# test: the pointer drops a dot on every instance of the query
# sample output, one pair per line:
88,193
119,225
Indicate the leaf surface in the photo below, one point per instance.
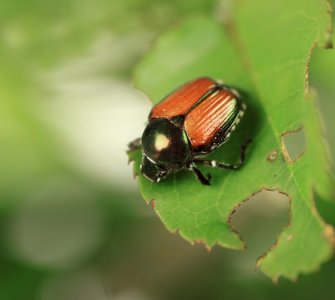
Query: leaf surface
265,54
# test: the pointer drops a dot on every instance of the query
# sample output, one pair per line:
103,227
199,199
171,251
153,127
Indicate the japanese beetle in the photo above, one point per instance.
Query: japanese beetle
191,122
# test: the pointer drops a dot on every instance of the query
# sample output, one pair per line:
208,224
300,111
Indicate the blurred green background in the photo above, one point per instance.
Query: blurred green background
73,224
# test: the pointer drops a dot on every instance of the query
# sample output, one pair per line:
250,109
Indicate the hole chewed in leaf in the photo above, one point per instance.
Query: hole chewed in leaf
259,220
293,144
329,233
272,155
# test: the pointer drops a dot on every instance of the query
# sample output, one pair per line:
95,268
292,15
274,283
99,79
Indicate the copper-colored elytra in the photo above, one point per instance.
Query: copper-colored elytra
205,120
181,100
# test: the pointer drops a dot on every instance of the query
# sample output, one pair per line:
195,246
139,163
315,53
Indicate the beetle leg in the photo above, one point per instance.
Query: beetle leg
223,165
134,145
199,175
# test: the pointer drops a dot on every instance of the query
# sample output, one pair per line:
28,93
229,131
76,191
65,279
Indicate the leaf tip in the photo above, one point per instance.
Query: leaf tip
203,243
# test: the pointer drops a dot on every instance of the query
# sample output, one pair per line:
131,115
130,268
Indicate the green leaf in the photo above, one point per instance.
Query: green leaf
322,78
265,53
322,69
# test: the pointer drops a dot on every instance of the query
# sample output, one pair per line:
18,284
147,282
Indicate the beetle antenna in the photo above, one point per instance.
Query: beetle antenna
134,145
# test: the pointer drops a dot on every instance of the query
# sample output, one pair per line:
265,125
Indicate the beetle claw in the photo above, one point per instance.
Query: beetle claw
209,178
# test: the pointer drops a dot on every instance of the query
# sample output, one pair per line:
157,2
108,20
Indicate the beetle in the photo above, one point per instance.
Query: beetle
188,124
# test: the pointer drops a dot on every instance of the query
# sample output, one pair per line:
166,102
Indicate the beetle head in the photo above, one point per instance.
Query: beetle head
151,170
165,149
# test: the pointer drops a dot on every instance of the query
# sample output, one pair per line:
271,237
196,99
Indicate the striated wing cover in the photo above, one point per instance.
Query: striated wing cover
181,101
214,115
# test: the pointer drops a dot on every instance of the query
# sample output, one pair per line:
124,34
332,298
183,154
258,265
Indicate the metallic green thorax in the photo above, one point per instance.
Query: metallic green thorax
165,148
